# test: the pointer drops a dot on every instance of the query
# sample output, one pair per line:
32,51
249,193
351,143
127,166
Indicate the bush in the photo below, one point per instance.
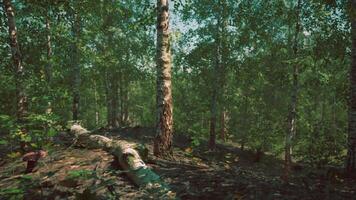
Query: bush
37,130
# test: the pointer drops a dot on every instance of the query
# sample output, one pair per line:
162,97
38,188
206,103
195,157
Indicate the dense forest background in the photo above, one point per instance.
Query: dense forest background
233,64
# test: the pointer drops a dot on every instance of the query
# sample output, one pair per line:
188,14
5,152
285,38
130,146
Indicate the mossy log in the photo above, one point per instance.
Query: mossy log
126,154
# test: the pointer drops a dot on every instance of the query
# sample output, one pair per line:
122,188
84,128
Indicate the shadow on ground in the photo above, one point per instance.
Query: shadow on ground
195,173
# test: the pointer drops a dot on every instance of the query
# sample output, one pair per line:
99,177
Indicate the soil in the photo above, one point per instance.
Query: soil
193,173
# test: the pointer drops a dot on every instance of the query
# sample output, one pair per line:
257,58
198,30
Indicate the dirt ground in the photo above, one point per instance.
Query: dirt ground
226,173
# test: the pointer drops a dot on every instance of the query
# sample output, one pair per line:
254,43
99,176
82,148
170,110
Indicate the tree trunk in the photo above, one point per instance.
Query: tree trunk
125,153
108,99
124,100
214,97
121,93
21,96
114,101
213,113
223,126
96,104
126,105
76,66
164,127
223,67
292,126
351,153
48,68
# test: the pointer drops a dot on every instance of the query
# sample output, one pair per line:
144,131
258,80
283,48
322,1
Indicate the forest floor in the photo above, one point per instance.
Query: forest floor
226,173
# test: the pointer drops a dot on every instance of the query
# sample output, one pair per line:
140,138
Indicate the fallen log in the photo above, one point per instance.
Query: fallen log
126,155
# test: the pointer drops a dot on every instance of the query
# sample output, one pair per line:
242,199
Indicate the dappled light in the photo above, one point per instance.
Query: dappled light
184,99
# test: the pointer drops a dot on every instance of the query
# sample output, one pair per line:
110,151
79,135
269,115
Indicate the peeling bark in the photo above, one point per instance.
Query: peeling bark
164,127
125,153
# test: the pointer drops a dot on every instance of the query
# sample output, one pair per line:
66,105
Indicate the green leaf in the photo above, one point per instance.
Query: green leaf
51,132
26,177
3,142
11,191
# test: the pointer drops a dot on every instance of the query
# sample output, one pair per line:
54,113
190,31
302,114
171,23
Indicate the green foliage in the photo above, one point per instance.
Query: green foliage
254,78
3,142
86,174
7,123
19,192
12,193
36,131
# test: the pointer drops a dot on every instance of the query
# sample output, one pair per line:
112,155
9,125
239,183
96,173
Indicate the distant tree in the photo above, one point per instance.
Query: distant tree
76,28
351,154
292,118
21,96
48,68
218,91
164,127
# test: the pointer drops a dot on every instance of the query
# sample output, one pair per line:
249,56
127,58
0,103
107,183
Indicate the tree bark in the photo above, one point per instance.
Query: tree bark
21,96
108,99
124,100
164,127
121,97
213,113
125,116
114,101
292,125
223,126
96,104
48,68
223,67
351,153
76,66
125,153
215,91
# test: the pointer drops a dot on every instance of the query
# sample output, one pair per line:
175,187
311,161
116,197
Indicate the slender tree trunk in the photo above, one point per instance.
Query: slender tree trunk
223,67
215,95
76,67
121,105
164,128
351,153
112,78
125,95
223,126
48,68
108,99
213,113
96,106
124,100
121,94
292,126
21,96
125,116
114,101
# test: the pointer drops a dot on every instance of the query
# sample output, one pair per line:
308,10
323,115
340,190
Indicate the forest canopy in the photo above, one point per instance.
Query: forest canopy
270,76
